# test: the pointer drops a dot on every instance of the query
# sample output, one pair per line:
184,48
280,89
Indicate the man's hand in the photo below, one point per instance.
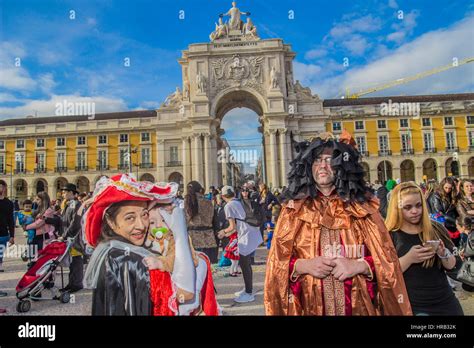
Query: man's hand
347,268
319,267
12,241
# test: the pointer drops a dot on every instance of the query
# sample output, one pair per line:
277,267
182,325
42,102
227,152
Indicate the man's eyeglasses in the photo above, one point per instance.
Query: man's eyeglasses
245,190
326,160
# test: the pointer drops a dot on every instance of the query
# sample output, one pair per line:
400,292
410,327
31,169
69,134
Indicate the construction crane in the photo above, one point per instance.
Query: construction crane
403,80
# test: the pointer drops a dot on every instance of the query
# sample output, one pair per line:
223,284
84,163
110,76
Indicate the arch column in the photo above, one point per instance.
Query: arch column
197,157
273,158
213,157
283,155
186,160
207,165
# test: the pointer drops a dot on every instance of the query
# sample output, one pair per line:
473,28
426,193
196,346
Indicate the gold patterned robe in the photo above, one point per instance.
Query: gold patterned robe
298,234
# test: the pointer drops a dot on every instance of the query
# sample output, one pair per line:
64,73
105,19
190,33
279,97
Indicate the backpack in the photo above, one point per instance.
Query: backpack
253,213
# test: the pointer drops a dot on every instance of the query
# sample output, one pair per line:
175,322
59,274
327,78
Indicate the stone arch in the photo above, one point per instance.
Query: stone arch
83,184
147,177
452,167
20,189
384,171
176,177
40,185
231,98
470,167
366,167
430,169
59,183
407,171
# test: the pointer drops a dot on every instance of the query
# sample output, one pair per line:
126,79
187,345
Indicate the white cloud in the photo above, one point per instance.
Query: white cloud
48,107
47,83
421,54
356,44
305,72
392,4
404,27
13,76
315,53
366,24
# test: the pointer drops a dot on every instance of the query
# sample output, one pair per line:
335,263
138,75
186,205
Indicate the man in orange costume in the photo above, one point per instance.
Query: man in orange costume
331,253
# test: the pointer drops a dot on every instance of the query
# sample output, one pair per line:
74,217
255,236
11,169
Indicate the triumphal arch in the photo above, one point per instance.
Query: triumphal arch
236,68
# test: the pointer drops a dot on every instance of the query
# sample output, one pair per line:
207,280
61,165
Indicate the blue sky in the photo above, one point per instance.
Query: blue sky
82,58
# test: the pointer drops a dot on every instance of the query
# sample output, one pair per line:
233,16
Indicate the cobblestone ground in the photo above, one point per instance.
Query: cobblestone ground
226,286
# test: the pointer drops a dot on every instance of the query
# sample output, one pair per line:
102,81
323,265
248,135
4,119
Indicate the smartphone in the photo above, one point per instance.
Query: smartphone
433,244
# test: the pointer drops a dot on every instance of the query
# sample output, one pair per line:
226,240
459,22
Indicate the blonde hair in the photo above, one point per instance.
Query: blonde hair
432,187
394,218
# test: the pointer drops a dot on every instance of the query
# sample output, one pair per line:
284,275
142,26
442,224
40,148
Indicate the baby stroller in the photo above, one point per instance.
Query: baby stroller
42,274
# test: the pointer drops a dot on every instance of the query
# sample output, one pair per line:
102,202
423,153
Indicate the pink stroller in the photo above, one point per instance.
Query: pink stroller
42,276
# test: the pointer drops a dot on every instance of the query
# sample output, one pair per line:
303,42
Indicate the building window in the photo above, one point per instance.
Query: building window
102,139
470,119
61,160
60,141
359,125
404,123
146,156
470,135
102,158
39,142
361,144
40,161
381,124
81,140
2,144
427,141
426,121
450,140
124,159
20,162
173,154
383,142
20,144
123,138
336,126
81,159
2,164
448,121
145,137
406,143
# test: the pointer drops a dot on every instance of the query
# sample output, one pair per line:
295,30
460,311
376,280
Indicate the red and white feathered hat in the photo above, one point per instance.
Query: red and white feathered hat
122,187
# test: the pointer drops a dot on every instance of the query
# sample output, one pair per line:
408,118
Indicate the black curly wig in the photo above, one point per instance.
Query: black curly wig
345,162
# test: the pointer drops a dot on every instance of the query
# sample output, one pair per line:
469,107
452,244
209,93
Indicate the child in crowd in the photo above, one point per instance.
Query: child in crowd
232,253
269,227
25,217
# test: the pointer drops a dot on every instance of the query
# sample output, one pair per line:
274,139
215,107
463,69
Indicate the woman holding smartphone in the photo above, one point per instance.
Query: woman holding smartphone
424,250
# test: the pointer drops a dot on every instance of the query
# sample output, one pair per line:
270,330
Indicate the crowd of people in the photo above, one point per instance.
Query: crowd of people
338,245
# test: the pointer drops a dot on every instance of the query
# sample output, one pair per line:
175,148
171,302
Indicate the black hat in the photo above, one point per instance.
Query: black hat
70,187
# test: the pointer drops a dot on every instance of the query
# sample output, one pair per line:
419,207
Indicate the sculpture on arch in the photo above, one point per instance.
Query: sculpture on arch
235,23
234,27
201,82
173,99
273,78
